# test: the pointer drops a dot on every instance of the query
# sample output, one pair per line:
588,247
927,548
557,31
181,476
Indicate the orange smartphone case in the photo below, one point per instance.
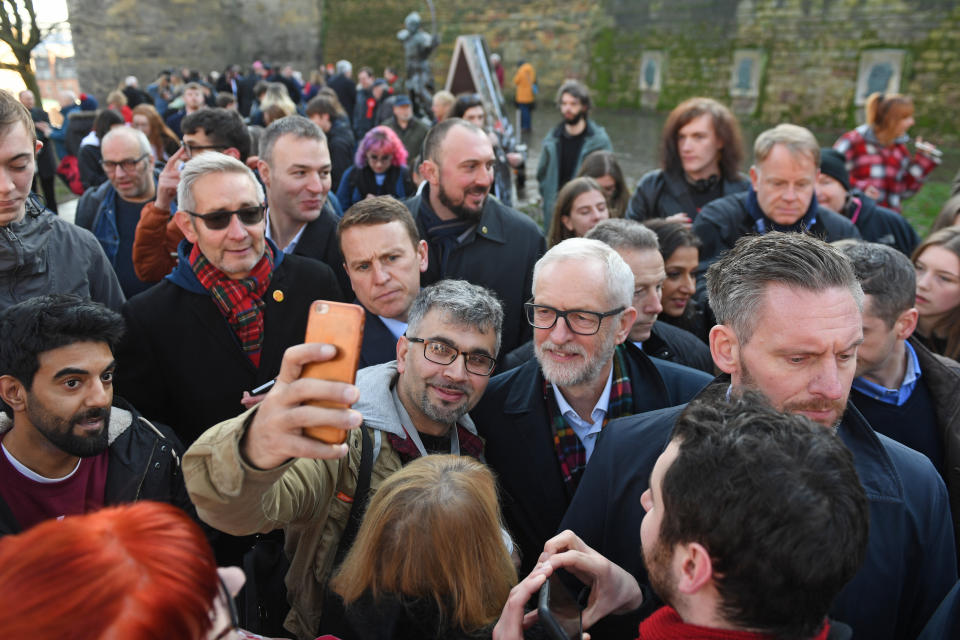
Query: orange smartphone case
341,325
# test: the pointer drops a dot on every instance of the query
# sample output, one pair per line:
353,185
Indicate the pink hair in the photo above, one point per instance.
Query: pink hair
381,140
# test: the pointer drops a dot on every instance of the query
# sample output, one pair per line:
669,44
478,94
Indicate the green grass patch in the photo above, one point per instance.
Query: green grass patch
922,209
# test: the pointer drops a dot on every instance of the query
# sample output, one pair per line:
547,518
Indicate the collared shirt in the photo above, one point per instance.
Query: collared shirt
395,327
896,397
586,431
638,345
293,243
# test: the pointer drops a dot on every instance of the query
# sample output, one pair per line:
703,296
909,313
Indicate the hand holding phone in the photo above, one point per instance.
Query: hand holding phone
276,432
559,610
341,325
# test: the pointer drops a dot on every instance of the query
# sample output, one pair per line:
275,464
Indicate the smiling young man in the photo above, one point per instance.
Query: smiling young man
788,308
69,446
259,472
41,253
470,235
780,198
384,257
541,420
295,167
218,325
700,154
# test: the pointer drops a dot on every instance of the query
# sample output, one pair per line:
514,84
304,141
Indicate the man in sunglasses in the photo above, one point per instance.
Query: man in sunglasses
217,326
112,210
157,235
259,472
541,420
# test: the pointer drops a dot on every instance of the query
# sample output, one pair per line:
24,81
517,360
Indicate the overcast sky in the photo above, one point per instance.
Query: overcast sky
50,10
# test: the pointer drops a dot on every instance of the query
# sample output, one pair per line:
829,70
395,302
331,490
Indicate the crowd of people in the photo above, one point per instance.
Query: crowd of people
724,403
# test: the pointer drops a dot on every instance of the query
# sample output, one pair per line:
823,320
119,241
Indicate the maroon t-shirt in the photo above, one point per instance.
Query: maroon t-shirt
32,502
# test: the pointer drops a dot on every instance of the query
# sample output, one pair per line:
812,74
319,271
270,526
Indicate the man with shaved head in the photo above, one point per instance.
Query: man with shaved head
470,235
112,210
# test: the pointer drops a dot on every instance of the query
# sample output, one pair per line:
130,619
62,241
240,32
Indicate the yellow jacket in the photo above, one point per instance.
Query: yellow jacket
524,79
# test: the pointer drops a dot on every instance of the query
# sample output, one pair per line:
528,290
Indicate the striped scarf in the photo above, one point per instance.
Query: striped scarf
240,301
470,445
569,449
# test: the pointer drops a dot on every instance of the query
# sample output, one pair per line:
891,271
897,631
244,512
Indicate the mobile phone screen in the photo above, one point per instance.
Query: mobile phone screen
559,609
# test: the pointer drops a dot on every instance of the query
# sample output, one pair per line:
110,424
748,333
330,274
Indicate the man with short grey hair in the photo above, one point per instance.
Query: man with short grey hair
789,312
295,167
542,419
780,198
217,326
112,210
259,472
639,248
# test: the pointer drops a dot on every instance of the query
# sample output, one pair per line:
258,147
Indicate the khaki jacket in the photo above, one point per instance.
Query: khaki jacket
309,499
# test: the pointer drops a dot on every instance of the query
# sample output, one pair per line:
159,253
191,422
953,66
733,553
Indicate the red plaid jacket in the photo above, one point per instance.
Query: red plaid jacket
890,169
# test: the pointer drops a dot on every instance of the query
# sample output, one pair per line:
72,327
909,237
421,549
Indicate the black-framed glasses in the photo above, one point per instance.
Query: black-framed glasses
129,165
231,610
219,220
579,321
191,148
442,353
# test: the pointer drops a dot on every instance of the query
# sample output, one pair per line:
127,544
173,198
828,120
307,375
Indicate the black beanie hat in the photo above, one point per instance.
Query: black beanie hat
834,164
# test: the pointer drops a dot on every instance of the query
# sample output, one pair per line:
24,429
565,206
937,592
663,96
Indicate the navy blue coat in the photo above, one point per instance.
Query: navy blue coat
378,345
512,417
910,563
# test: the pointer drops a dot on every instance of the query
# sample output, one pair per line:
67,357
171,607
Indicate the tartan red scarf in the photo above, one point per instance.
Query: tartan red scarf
240,301
665,624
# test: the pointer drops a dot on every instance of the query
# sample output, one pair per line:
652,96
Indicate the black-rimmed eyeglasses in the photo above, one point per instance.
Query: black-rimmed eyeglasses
442,353
219,220
129,165
579,321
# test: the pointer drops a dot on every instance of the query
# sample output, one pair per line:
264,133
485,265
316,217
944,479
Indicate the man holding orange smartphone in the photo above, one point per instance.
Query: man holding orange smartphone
259,471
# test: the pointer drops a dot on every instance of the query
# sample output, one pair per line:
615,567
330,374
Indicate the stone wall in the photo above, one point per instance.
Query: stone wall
116,38
811,48
812,51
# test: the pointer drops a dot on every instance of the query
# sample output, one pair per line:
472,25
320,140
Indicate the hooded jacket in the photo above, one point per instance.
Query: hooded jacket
309,499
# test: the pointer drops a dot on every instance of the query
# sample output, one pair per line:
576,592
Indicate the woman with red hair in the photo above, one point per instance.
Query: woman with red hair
136,572
877,157
380,169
